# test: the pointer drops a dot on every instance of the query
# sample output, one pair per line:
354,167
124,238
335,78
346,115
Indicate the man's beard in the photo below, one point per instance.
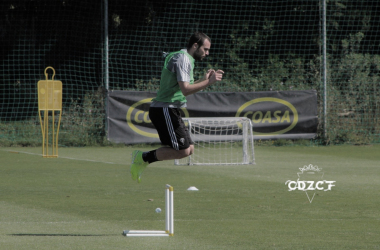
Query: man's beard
197,56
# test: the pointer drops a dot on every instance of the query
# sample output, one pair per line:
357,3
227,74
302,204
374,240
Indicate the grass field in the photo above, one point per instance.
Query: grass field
85,199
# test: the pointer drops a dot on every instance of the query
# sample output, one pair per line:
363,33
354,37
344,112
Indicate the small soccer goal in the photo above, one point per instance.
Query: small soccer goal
220,141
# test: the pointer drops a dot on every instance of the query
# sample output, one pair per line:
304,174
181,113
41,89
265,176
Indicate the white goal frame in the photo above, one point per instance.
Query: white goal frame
220,141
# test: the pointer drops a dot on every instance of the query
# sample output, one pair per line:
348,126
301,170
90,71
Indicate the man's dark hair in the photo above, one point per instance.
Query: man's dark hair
198,38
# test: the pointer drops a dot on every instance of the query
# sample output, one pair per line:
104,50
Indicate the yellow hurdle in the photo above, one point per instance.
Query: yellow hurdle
49,102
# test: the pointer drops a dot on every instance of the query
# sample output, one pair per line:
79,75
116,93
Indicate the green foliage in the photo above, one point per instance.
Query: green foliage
261,46
20,133
82,124
150,85
244,72
83,121
354,95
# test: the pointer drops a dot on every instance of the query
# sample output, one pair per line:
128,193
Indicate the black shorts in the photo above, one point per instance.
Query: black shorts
170,127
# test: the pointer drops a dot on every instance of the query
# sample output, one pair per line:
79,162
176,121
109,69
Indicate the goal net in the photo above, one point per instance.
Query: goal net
220,141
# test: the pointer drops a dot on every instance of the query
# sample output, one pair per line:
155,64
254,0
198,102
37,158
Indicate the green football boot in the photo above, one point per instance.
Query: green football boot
138,165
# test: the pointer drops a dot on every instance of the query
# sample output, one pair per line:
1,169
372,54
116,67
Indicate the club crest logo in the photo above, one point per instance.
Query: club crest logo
309,180
182,140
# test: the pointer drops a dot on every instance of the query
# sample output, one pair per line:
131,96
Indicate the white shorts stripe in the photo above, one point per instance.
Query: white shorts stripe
169,125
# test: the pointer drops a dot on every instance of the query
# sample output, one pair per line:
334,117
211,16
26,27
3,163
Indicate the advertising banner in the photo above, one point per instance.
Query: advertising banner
274,114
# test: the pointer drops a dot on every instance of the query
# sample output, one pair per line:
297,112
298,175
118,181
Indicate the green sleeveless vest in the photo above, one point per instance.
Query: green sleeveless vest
169,89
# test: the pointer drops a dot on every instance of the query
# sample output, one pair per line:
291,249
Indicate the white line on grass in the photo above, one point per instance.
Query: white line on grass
70,158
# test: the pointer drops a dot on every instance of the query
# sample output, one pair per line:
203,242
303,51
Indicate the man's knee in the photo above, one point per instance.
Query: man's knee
191,149
186,152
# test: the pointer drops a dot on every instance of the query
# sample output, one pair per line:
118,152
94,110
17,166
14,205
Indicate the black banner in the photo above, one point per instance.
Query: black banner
274,114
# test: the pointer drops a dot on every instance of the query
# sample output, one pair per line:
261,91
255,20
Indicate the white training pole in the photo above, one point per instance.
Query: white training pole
147,235
169,219
143,232
167,209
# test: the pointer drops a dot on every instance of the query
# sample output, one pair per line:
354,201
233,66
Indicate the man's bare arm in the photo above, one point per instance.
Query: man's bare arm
209,78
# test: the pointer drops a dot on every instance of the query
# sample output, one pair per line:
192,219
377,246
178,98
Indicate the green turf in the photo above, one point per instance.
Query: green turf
85,199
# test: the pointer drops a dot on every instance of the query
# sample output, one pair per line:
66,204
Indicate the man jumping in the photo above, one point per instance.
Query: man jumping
176,83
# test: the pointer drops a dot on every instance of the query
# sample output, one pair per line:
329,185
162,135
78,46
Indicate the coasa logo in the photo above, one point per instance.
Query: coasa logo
137,116
270,110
